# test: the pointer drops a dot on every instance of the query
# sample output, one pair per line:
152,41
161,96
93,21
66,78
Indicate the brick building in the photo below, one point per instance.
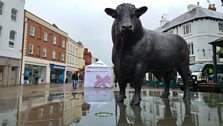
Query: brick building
44,51
87,57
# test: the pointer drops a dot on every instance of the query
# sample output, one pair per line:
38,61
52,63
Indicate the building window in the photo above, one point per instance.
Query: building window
54,40
30,48
53,55
12,39
68,59
220,26
32,31
63,44
187,29
44,52
4,122
191,48
40,113
13,14
62,57
51,109
1,7
45,36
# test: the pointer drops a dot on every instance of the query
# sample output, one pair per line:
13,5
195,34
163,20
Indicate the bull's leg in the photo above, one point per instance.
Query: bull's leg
184,72
137,83
167,78
121,96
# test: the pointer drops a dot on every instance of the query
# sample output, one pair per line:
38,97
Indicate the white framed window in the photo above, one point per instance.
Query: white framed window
31,48
53,55
44,52
40,113
51,109
68,59
54,40
62,57
191,48
32,31
63,44
187,29
220,26
13,14
45,36
1,7
12,36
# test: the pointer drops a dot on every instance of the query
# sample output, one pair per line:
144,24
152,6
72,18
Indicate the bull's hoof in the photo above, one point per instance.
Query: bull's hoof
120,98
135,100
165,95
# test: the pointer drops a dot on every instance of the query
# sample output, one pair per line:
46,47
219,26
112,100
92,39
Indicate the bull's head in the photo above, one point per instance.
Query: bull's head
126,17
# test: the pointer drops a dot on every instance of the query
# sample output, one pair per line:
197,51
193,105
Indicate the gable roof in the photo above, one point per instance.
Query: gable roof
196,13
99,63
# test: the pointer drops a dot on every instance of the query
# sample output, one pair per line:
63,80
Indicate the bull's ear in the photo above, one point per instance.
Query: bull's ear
141,11
111,12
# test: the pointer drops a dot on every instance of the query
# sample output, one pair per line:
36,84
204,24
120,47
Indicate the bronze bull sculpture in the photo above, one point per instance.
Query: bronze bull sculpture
137,50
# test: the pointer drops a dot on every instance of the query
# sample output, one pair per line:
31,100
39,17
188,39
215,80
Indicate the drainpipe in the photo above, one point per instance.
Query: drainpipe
23,43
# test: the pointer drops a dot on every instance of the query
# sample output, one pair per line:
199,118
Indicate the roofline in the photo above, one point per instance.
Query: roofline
59,31
191,21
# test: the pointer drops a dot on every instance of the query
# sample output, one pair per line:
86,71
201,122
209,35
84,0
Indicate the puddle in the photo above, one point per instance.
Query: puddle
95,106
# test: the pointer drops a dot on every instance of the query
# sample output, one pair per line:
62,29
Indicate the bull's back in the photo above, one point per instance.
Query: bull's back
169,50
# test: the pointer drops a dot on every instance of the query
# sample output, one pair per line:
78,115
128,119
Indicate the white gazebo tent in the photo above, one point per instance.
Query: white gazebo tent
98,75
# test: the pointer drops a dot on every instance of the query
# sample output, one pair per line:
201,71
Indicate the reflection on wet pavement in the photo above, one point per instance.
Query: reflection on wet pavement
60,105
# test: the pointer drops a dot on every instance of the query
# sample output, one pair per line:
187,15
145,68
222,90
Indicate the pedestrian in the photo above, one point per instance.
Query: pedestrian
36,79
75,79
26,80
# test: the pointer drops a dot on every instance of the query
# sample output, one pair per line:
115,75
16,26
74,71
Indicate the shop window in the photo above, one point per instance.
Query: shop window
45,36
220,26
32,31
12,39
1,7
54,40
13,14
31,48
62,57
187,29
44,52
53,55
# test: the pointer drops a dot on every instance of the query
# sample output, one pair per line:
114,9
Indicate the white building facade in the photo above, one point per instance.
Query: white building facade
11,35
75,61
199,26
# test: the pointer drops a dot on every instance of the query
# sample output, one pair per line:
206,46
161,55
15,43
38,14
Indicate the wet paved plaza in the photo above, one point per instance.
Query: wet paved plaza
60,105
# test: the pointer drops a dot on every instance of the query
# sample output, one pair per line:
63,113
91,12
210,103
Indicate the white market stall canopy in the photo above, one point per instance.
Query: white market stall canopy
98,75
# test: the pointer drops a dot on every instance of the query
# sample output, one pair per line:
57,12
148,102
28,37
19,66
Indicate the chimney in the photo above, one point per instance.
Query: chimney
163,20
192,6
212,7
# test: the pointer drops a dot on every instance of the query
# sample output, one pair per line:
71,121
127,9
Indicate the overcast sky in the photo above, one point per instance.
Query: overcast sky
86,21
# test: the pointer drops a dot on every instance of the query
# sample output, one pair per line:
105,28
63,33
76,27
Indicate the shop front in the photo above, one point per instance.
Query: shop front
57,73
35,74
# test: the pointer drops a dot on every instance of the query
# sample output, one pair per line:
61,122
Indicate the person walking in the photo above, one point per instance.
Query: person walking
75,79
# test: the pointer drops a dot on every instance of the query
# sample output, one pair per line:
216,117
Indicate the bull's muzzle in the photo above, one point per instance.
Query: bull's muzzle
127,27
